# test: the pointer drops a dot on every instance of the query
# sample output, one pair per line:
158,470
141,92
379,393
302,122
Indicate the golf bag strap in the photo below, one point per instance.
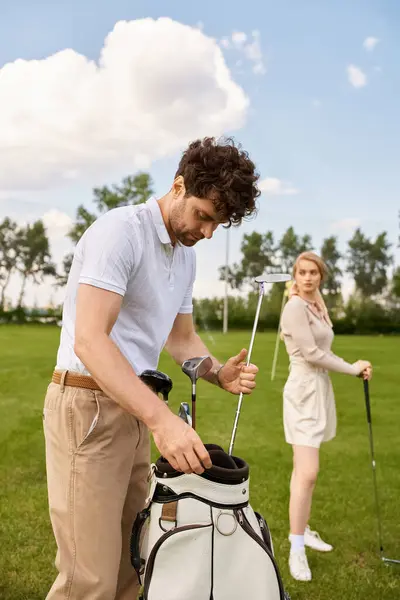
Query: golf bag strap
136,559
169,511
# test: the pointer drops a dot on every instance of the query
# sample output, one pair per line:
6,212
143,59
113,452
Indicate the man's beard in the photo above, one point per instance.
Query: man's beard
185,238
182,235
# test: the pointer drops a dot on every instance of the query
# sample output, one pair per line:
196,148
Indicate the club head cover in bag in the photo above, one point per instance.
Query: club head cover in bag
225,468
157,381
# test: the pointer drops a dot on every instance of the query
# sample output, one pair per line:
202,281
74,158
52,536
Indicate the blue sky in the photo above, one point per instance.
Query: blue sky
334,142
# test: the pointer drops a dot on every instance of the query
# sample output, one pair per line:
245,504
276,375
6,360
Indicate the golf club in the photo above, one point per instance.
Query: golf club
194,368
158,381
371,444
184,413
261,280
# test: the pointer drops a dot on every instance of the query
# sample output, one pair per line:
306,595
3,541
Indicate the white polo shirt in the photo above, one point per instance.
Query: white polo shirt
128,251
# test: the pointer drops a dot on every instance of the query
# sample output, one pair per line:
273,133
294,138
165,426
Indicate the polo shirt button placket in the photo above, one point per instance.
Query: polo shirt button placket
171,278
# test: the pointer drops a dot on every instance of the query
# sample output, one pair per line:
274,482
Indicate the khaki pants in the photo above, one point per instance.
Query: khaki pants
97,460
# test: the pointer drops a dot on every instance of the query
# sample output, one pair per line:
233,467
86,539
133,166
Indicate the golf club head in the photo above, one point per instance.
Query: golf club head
197,367
273,278
158,381
184,413
392,561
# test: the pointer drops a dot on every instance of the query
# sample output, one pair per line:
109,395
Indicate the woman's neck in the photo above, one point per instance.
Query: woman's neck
310,296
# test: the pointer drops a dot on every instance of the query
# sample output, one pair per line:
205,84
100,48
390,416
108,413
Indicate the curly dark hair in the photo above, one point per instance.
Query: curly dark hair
222,172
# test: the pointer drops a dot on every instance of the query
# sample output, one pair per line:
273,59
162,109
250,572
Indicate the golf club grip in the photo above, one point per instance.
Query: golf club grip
194,411
367,400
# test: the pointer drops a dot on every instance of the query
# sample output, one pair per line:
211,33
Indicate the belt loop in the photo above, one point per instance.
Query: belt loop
62,384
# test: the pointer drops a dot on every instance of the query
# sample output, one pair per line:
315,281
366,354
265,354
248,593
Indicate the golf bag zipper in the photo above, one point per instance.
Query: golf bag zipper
156,547
265,532
245,525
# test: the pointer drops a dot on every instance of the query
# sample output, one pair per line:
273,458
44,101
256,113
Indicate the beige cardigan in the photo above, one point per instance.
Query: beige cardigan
310,337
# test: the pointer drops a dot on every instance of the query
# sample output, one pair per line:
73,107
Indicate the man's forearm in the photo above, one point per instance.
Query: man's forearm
117,379
194,346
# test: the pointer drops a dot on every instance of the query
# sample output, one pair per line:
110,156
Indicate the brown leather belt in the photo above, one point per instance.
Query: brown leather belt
80,381
76,380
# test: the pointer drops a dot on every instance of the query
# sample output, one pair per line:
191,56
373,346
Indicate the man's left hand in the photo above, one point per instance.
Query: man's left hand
235,377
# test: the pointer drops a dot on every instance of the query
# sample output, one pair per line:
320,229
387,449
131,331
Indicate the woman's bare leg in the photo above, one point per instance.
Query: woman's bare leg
302,484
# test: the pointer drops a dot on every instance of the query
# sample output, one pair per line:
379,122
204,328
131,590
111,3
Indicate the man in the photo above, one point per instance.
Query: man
129,294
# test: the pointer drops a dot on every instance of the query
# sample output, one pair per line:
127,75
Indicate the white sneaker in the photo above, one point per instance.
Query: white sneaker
313,540
298,565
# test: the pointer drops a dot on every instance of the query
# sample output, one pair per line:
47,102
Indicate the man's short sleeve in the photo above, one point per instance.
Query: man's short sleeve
110,251
187,304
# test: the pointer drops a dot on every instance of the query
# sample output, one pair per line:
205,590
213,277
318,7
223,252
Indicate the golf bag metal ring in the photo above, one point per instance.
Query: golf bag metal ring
220,529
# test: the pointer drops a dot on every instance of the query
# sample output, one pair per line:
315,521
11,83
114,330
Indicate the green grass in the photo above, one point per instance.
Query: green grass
343,509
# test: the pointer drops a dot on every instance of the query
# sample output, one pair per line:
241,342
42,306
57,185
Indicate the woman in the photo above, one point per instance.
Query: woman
309,403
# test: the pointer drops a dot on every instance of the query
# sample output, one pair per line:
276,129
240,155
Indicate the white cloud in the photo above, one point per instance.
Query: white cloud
250,47
258,68
345,225
238,38
157,85
356,76
370,43
57,224
276,187
8,195
254,53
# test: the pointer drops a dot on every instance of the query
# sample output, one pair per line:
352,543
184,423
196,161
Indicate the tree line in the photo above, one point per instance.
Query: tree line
369,261
25,250
373,306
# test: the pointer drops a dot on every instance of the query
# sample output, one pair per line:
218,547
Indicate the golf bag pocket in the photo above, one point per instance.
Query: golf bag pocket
243,559
199,538
179,565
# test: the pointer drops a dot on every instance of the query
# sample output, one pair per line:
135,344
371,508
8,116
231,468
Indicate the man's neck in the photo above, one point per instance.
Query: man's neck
165,207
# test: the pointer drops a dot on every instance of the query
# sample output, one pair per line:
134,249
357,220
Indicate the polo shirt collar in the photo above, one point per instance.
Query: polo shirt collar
158,220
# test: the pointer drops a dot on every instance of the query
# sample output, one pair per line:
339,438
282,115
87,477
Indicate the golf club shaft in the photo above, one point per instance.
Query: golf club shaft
253,335
393,561
371,444
194,406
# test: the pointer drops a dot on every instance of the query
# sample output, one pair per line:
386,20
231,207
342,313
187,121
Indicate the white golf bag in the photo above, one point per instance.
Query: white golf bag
198,538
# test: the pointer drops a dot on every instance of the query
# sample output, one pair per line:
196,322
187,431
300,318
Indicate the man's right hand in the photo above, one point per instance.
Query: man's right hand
180,445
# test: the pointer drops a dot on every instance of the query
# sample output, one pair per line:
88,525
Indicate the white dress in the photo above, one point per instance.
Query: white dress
309,411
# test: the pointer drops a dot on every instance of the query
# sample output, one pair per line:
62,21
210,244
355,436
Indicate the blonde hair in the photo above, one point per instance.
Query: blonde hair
311,256
323,270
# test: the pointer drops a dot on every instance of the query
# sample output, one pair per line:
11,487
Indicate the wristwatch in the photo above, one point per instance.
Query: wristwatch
216,374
